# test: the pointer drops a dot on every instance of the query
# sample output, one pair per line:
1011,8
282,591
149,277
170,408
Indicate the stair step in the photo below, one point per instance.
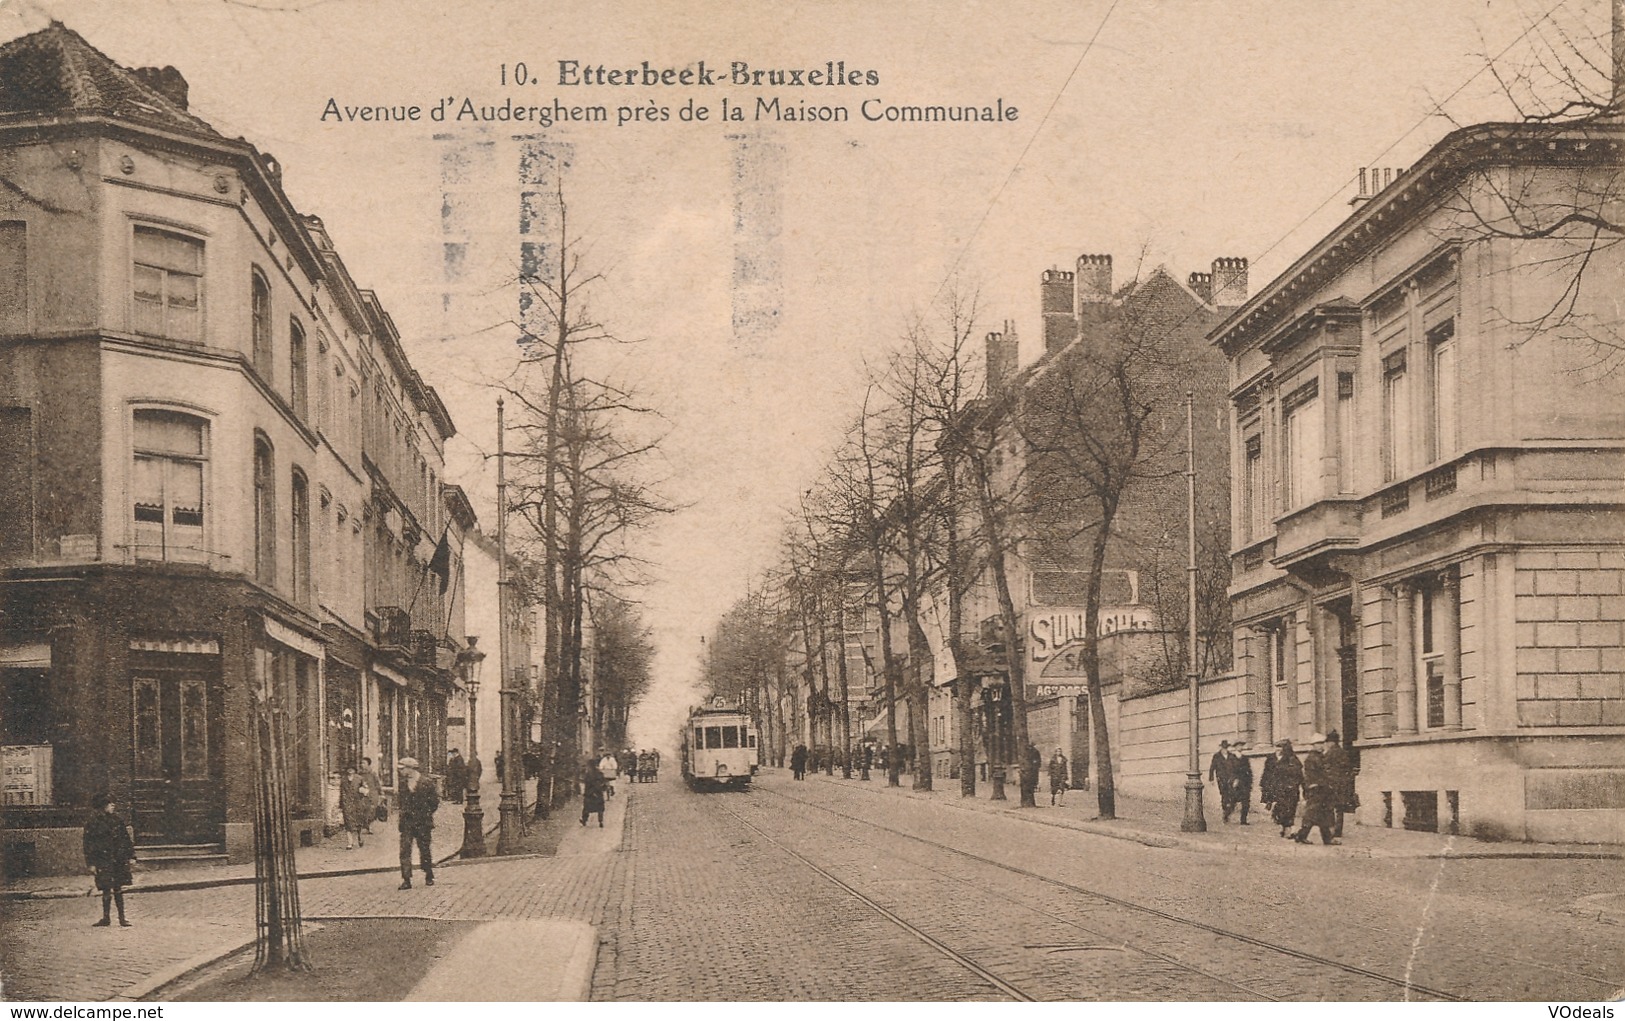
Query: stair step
174,860
163,852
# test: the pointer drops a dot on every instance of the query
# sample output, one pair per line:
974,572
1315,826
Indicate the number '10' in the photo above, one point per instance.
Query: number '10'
521,74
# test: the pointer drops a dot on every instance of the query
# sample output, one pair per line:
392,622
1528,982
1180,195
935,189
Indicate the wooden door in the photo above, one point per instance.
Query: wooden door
177,791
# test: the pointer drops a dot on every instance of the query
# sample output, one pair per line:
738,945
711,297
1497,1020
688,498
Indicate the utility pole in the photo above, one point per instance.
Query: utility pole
1194,821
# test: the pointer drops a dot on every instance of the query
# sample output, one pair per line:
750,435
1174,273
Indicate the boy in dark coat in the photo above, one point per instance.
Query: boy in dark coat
109,850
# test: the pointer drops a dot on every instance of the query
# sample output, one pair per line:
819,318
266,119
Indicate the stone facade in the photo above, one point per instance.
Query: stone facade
1427,498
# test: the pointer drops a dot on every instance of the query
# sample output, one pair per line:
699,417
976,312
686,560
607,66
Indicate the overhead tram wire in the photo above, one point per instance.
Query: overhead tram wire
977,230
1272,246
1489,63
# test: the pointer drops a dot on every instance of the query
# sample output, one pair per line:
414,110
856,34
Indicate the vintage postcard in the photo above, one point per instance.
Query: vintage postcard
835,501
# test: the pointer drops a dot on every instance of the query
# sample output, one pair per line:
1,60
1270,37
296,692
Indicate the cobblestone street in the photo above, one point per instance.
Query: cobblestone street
719,898
839,890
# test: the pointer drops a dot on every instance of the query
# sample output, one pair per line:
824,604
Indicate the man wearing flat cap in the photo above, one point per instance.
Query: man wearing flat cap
1317,794
416,801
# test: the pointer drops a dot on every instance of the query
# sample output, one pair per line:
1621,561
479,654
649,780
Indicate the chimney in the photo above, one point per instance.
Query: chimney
1055,297
273,169
1094,285
1372,181
1228,285
1202,285
1001,359
166,81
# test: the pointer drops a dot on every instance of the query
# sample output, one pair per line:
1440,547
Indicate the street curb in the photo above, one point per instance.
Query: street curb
1166,841
175,973
449,861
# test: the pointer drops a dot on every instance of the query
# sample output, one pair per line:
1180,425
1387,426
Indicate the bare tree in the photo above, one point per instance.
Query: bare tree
583,480
1101,431
1555,188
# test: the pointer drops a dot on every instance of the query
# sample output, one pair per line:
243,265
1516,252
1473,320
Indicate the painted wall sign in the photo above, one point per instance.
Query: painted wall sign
1054,628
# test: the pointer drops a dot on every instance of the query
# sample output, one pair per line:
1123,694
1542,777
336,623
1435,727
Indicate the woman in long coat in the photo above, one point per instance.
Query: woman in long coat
592,792
355,806
1278,788
1058,777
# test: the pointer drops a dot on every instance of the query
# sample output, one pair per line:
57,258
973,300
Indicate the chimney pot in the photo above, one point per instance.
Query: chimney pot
166,81
1228,284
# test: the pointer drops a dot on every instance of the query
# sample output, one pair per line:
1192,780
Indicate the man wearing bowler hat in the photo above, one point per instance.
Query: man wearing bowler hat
416,801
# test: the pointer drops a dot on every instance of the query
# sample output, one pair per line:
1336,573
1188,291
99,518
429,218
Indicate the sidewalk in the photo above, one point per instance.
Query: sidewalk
186,936
1157,824
380,852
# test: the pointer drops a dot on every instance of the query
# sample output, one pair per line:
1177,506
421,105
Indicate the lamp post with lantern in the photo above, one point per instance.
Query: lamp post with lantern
469,662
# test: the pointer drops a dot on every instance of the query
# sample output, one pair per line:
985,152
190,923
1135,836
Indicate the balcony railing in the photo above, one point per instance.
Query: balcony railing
394,626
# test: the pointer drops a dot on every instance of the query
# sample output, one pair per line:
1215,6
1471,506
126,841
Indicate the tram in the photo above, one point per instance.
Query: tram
719,746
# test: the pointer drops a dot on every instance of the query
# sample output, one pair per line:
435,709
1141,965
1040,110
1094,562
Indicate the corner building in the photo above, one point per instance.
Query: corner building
219,478
1427,480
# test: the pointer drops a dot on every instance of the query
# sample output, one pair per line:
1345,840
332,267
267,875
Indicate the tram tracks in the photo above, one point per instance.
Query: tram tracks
1142,946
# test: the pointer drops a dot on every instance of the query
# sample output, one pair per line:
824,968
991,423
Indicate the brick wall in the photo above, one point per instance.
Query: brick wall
1571,638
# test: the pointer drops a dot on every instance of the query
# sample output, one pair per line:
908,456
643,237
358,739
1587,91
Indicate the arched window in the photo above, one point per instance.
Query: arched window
301,538
170,453
264,512
299,380
260,303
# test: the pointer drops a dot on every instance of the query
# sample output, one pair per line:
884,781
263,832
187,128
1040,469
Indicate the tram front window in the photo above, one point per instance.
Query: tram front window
730,737
713,737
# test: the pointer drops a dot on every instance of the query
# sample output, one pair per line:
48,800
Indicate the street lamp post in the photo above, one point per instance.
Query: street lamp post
469,662
508,809
1194,821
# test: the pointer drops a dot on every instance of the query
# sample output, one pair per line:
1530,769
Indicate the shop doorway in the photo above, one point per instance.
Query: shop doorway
176,790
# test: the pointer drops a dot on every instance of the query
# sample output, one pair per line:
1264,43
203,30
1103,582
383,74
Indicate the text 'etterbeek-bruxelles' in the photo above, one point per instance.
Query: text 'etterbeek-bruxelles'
644,74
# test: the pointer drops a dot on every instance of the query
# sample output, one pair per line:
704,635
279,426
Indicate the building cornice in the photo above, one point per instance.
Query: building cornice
1456,156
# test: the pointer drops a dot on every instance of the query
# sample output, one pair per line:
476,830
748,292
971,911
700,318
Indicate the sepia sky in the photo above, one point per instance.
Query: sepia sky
1187,131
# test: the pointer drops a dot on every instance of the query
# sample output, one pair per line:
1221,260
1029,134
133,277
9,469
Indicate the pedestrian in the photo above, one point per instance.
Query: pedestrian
1058,774
1032,763
1241,780
375,792
473,773
355,807
593,786
798,762
502,777
1218,771
654,759
109,850
456,776
415,804
608,768
1341,770
1317,794
1278,787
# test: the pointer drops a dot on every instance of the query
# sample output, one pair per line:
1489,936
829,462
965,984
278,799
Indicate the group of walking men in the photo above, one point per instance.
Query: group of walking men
1324,777
640,766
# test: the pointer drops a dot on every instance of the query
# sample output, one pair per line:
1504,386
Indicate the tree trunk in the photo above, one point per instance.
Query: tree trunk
1105,788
